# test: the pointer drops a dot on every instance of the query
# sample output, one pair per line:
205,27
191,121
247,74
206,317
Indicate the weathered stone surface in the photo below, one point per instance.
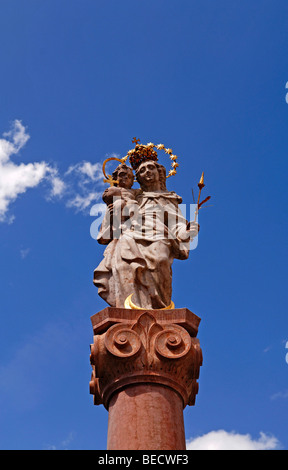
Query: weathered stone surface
145,231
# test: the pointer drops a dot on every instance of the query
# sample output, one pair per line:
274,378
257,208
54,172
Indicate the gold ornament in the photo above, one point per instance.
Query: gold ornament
130,305
143,152
139,153
108,178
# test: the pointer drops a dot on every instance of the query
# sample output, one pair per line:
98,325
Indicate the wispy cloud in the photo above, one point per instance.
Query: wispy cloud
24,252
63,445
87,170
76,188
81,180
58,186
280,395
223,440
15,178
81,203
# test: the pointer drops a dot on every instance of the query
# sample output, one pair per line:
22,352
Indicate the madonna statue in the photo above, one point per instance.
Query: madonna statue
144,231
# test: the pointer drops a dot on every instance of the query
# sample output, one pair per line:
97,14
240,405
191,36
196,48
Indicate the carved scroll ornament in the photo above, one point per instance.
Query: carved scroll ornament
145,352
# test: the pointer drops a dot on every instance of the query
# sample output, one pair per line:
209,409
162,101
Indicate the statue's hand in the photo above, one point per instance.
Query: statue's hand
193,229
188,232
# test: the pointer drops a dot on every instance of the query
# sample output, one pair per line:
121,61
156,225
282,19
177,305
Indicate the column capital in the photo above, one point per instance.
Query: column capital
145,346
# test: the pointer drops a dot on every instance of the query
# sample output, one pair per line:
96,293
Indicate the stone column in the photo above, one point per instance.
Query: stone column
145,369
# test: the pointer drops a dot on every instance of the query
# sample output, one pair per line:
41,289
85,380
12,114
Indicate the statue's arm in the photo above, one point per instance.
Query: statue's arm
110,193
105,235
183,230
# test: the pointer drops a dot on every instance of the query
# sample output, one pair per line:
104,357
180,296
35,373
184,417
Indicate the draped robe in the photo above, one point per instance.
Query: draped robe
139,261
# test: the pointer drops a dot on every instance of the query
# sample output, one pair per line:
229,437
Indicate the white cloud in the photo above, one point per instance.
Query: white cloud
87,169
278,395
76,188
58,186
15,139
63,445
15,179
82,178
24,252
81,203
223,440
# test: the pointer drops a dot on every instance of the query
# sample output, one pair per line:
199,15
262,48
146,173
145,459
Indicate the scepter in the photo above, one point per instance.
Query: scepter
199,204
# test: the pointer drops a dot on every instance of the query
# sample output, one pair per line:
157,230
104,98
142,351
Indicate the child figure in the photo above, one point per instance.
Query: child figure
116,198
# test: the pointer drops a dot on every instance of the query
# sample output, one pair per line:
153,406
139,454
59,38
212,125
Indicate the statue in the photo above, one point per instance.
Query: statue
145,355
144,231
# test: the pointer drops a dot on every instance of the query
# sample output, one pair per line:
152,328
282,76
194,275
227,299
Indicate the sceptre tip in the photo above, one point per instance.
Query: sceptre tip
201,182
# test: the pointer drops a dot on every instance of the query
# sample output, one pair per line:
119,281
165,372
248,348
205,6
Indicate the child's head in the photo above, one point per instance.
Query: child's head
124,174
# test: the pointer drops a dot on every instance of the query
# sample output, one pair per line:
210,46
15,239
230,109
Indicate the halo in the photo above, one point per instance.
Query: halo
150,146
108,178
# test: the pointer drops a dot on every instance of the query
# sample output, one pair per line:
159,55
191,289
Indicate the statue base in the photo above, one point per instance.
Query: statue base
145,364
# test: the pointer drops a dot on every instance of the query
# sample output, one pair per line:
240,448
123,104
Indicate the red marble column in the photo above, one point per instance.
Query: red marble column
146,417
145,370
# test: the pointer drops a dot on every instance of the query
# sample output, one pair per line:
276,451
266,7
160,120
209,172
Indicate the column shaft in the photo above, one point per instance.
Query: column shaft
146,417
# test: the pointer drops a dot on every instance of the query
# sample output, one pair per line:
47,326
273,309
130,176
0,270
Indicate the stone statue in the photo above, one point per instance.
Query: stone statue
145,355
144,231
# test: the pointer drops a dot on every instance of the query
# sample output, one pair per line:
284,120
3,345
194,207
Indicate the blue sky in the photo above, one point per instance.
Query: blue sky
78,81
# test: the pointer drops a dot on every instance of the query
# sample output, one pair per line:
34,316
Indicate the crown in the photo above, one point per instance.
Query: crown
141,153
